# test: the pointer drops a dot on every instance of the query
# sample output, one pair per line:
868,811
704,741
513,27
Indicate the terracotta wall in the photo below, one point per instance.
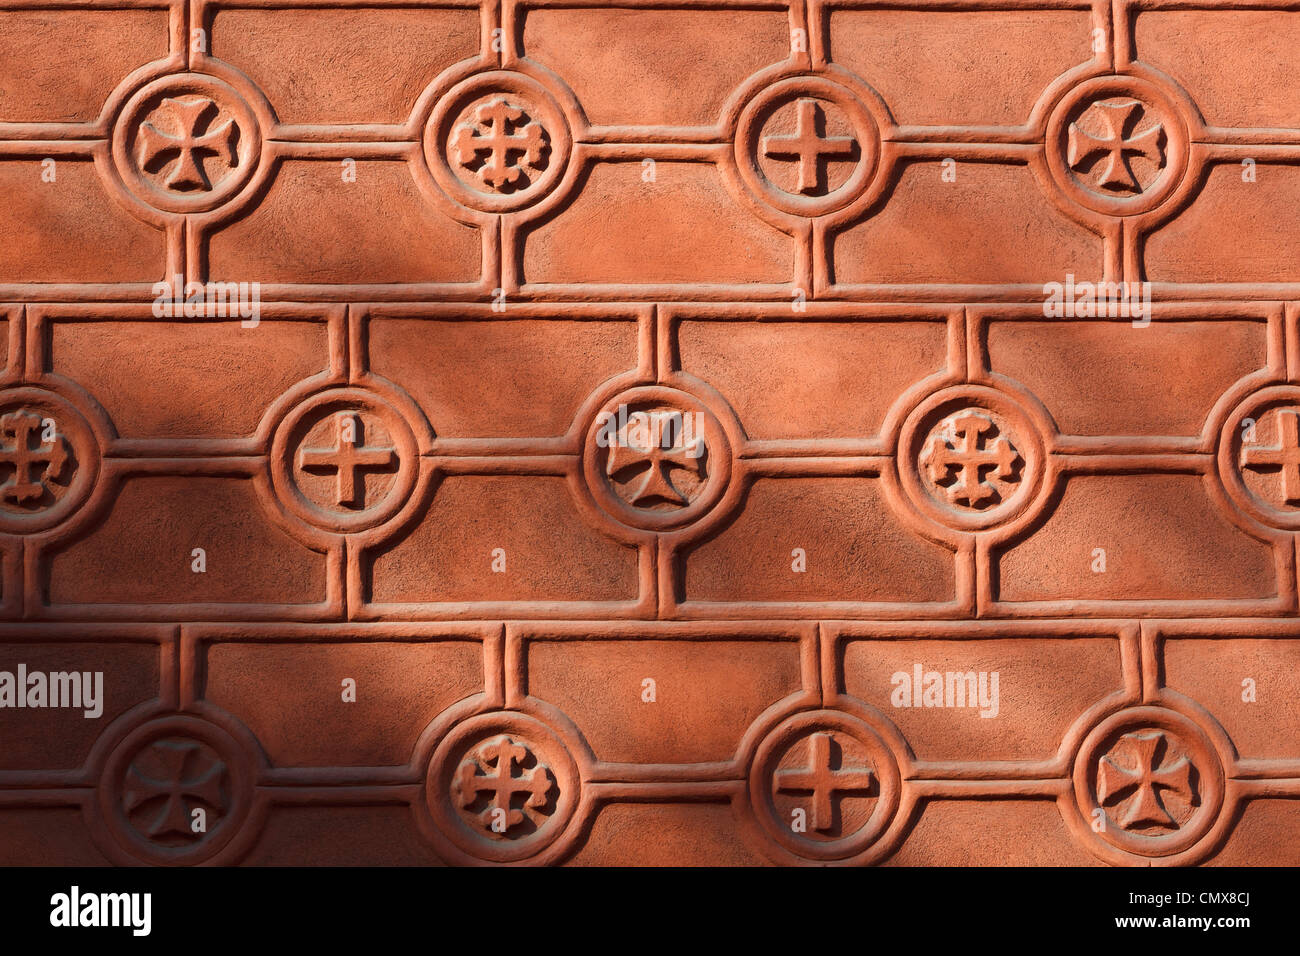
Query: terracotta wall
544,432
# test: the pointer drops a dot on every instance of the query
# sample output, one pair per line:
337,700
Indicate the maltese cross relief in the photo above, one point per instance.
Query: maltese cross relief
1107,138
1137,776
195,134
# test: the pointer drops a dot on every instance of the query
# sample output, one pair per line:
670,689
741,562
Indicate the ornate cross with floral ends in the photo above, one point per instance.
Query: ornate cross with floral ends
496,767
1134,773
34,467
1115,145
809,145
183,774
972,458
1284,456
504,132
823,781
190,146
652,445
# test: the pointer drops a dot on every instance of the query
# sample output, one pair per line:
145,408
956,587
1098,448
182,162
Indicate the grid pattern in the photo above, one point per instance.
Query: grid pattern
649,433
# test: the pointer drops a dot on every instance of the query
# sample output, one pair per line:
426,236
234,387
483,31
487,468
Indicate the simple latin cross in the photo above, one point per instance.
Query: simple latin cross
1284,456
349,458
823,782
809,145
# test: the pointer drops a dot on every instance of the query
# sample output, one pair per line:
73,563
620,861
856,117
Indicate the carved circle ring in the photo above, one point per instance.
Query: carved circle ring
807,146
497,142
502,787
824,785
49,459
344,460
186,143
656,458
1117,145
1148,782
1259,456
970,458
175,790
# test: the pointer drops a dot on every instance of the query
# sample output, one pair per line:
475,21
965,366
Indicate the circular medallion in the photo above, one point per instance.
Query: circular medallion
824,785
344,460
502,787
186,143
970,458
49,459
497,142
175,790
1117,145
656,458
1148,782
807,146
1259,456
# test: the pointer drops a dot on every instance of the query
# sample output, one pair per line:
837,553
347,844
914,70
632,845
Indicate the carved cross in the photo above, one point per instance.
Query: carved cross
34,467
1155,766
810,145
972,458
823,781
497,768
1115,145
510,144
349,458
181,774
642,447
197,139
1285,456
